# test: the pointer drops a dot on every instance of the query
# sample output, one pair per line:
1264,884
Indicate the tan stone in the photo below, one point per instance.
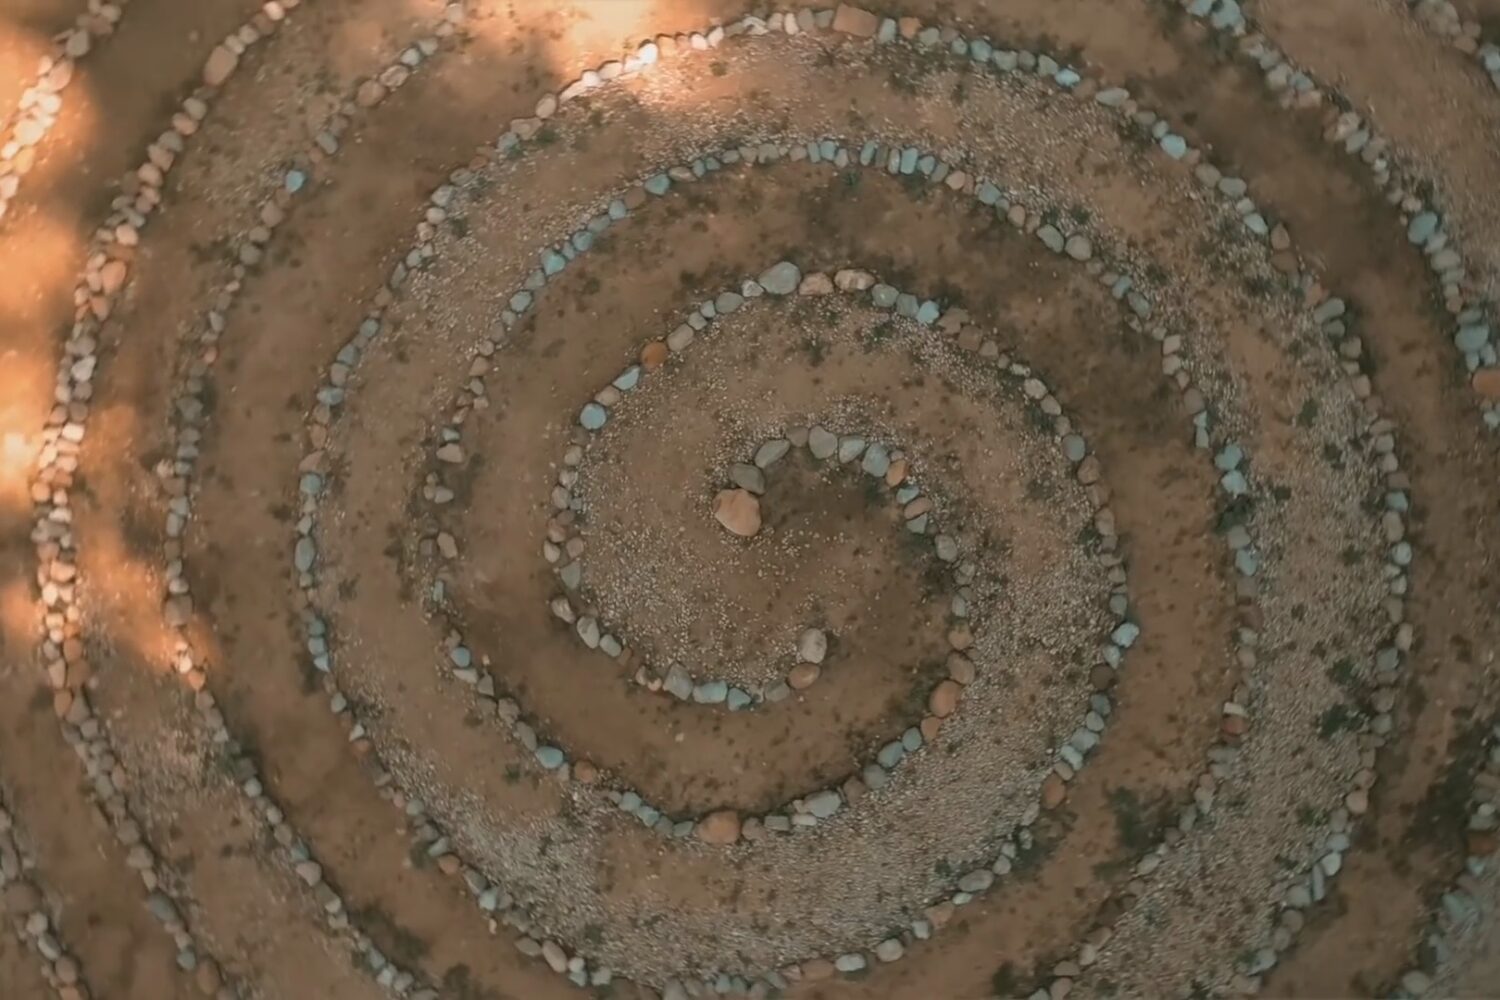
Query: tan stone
585,772
801,677
961,668
221,63
738,511
719,827
1487,382
654,355
944,699
855,21
817,969
896,474
1235,726
370,93
930,726
1054,791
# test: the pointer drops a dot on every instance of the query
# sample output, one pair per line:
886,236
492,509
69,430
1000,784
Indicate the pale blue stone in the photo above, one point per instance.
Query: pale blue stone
1401,554
814,154
958,46
1234,483
908,493
568,252
711,163
1046,65
630,802
1256,223
535,281
828,149
1200,8
1005,60
460,656
728,302
887,32
711,692
305,554
1068,78
980,50
987,193
593,416
599,224
867,153
330,395
909,157
1112,97
928,313
617,210
295,181
1470,339
658,184
890,755
1125,634
781,278
520,302
1051,238
628,379
1246,562
582,240
824,804
1120,287
907,305
884,296
553,263
912,740
1331,308
893,162
928,37
699,168
1074,447
927,164
648,815
1227,15
311,484
877,460
738,700
1229,458
1422,227
1174,145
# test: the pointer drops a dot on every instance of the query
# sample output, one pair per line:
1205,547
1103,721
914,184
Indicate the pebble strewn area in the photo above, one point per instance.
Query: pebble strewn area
824,500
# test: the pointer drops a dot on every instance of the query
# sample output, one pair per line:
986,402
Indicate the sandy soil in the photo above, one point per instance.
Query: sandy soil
602,885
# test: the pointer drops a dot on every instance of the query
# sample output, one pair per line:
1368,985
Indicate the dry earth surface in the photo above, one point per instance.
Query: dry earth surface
662,499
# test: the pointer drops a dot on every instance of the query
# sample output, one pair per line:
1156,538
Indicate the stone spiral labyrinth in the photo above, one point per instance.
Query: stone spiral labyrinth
665,500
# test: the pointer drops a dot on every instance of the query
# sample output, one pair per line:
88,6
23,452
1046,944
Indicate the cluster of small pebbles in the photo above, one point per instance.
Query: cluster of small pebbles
1441,17
113,254
41,102
1400,184
1076,246
22,899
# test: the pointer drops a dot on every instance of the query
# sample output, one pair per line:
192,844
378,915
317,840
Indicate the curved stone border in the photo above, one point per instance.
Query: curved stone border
1114,97
878,460
1421,216
62,649
105,276
1442,19
21,897
41,102
726,826
1456,910
176,476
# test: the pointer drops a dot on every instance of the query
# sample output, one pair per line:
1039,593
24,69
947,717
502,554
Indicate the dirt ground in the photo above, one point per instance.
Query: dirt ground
833,551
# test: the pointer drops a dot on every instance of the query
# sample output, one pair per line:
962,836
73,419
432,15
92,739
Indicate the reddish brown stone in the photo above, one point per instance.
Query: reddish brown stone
855,21
944,699
1487,382
1054,791
719,827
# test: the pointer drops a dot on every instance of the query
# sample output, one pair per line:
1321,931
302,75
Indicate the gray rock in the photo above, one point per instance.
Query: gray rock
812,646
747,477
771,452
678,683
824,804
1051,238
781,279
821,443
877,460
711,693
851,448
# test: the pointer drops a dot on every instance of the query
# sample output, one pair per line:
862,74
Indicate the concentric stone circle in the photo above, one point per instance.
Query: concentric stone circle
1234,472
